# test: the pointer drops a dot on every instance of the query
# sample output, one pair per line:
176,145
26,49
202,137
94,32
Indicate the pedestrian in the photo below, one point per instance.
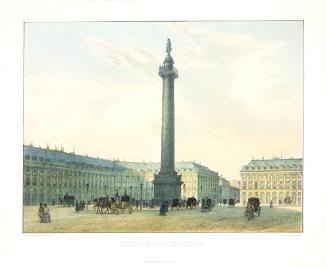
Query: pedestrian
271,204
76,207
163,209
46,214
40,212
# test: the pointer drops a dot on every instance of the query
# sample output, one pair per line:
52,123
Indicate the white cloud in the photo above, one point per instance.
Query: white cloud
138,59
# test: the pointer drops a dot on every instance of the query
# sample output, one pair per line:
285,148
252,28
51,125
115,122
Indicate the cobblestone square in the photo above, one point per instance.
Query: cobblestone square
220,219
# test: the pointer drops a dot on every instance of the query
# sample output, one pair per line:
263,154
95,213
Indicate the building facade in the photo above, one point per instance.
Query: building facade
198,180
277,180
49,174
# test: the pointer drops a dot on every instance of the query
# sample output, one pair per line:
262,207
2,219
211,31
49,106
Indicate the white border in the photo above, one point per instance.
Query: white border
173,250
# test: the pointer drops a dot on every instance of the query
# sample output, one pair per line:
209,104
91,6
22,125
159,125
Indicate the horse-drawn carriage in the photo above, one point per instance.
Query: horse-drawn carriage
231,203
114,205
206,204
67,200
102,205
191,203
252,208
176,204
122,204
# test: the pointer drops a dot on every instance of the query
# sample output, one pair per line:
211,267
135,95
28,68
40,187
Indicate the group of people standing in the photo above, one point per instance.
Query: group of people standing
79,206
44,213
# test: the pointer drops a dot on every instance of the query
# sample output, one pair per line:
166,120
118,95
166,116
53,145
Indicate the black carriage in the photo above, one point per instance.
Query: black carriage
151,204
175,204
252,208
191,203
231,203
206,205
67,201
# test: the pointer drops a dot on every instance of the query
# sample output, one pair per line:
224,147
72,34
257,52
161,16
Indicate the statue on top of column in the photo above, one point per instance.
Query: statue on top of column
168,47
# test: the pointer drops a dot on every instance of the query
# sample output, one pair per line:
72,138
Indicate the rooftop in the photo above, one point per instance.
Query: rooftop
61,156
274,163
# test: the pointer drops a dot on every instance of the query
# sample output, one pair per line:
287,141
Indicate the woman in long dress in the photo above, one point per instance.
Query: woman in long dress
46,214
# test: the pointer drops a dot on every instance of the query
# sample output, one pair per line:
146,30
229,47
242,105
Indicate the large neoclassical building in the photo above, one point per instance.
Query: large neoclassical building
278,180
49,174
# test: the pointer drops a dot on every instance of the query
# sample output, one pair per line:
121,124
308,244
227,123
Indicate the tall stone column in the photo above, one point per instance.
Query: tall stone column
167,184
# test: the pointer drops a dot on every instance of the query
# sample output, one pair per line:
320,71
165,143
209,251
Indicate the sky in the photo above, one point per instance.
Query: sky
95,87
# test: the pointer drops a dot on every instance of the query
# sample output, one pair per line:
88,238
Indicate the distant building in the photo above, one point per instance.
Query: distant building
198,180
277,180
235,187
50,174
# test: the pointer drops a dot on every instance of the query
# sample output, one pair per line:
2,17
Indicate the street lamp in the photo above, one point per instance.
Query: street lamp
105,190
141,204
220,196
87,192
131,193
215,196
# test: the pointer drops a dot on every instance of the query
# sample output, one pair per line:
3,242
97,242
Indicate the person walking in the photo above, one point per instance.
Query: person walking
76,207
271,204
46,214
40,212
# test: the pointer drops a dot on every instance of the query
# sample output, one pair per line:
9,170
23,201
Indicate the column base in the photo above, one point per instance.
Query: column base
167,186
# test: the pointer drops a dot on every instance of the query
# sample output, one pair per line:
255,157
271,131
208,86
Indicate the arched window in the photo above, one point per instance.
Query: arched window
244,197
262,197
34,179
268,198
34,197
300,184
274,197
299,198
281,198
27,197
41,195
49,197
293,198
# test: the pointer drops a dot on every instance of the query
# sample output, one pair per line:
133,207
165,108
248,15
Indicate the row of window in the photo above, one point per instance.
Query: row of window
274,185
294,198
273,167
272,176
71,163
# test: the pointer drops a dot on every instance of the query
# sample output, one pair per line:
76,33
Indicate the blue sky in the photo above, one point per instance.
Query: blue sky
95,87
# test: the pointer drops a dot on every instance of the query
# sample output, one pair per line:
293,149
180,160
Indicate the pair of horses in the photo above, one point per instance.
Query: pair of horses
184,204
105,206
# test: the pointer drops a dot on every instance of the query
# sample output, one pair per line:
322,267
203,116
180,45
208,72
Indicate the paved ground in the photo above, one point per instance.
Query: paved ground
221,219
